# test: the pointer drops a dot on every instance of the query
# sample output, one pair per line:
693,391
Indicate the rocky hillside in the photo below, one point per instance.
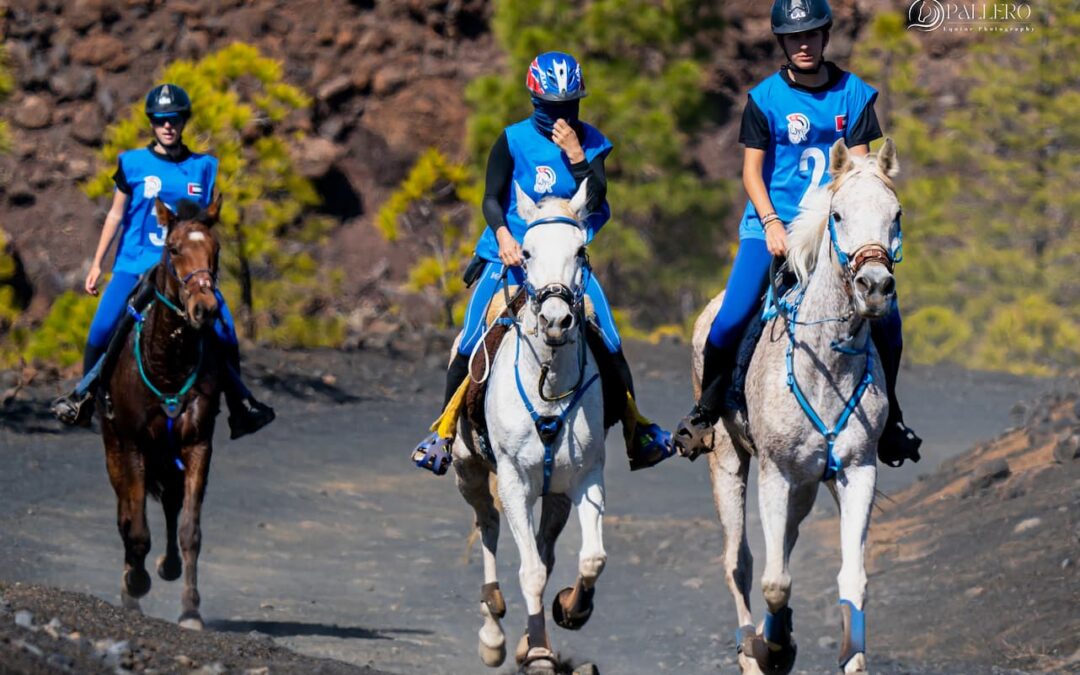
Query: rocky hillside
387,77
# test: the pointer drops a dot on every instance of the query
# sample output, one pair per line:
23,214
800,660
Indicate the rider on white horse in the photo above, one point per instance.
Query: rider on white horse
790,121
549,154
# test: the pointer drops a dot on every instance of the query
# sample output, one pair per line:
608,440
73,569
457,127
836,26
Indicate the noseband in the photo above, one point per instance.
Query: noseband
207,280
867,253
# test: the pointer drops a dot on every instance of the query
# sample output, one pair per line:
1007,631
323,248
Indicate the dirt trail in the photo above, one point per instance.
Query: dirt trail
319,534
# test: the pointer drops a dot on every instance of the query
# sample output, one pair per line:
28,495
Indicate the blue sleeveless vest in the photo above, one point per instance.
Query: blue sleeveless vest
803,125
542,170
150,176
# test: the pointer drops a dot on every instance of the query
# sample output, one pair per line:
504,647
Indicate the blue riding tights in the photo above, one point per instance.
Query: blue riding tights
745,287
488,286
111,309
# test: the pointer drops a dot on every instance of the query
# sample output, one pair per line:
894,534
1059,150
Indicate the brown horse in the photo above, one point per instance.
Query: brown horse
159,403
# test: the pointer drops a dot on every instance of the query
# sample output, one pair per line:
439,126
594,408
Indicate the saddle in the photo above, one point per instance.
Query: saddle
611,381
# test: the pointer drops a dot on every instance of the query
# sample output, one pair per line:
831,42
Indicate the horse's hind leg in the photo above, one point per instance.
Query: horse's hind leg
729,467
473,483
856,496
197,463
172,499
127,472
554,512
573,606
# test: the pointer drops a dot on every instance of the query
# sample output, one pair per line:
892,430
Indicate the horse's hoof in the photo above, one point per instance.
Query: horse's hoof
136,583
492,648
856,665
586,669
538,661
564,615
773,659
167,569
191,621
130,603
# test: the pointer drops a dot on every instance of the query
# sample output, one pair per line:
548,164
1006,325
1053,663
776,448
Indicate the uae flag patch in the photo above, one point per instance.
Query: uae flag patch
195,189
841,123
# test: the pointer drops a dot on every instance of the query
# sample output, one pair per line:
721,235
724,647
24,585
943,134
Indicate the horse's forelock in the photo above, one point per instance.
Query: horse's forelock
808,228
554,206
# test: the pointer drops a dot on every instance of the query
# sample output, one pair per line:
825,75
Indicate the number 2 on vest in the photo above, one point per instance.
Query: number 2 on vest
818,158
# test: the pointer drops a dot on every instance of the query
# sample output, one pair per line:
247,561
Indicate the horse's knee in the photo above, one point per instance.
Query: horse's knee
533,580
851,582
777,591
591,566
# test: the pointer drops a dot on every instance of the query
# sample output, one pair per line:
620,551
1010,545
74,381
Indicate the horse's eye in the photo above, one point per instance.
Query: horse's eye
836,216
525,254
581,252
174,250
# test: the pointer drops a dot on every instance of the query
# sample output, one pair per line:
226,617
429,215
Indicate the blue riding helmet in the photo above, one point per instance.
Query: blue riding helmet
799,16
555,76
168,100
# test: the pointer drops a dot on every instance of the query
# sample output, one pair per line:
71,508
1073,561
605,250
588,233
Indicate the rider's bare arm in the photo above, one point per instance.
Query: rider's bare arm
108,233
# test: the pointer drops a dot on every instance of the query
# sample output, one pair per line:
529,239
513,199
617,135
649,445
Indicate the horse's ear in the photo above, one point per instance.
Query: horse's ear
839,159
165,217
526,207
887,161
577,202
214,210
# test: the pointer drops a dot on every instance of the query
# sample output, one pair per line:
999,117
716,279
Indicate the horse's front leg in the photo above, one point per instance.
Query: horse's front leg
856,496
518,497
197,463
783,506
474,483
573,606
127,472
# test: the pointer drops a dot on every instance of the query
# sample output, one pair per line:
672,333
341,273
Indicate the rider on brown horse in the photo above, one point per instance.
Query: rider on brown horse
166,170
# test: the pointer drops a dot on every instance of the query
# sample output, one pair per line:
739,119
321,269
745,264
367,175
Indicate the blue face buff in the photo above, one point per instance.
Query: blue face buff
546,113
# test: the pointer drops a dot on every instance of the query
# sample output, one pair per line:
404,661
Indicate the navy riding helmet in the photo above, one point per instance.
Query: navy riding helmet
556,77
168,100
799,16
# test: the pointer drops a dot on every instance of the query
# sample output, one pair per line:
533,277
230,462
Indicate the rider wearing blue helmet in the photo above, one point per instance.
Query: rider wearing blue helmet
791,120
550,153
165,169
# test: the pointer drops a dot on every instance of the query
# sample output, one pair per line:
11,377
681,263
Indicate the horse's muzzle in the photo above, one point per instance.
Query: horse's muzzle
201,309
874,291
556,321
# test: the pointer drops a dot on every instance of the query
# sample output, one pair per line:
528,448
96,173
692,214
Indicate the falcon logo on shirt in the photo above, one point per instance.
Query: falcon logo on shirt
798,128
841,123
194,189
545,180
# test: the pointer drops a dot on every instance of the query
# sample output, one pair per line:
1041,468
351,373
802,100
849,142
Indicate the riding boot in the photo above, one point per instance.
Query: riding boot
246,415
455,375
715,380
898,443
76,407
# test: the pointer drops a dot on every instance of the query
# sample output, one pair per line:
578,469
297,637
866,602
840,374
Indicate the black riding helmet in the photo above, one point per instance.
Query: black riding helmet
799,16
168,99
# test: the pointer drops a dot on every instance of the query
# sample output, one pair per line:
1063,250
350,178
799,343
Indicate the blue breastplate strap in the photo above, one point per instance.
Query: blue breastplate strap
832,463
547,426
172,404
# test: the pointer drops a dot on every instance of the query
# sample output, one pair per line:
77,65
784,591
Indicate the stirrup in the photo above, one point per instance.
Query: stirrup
650,445
433,454
251,417
74,410
897,444
694,435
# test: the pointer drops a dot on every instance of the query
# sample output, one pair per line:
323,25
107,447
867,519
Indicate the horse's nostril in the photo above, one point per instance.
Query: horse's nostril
863,284
888,286
566,321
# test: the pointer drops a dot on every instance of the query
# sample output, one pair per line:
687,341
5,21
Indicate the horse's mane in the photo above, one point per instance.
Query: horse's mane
808,228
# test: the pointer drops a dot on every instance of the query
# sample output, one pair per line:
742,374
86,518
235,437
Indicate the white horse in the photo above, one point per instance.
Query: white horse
545,419
842,248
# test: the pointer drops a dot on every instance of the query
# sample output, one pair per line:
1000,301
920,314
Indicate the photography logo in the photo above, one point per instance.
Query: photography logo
961,17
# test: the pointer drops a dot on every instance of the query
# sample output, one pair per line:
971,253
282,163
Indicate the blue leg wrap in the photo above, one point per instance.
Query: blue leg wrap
854,633
778,627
